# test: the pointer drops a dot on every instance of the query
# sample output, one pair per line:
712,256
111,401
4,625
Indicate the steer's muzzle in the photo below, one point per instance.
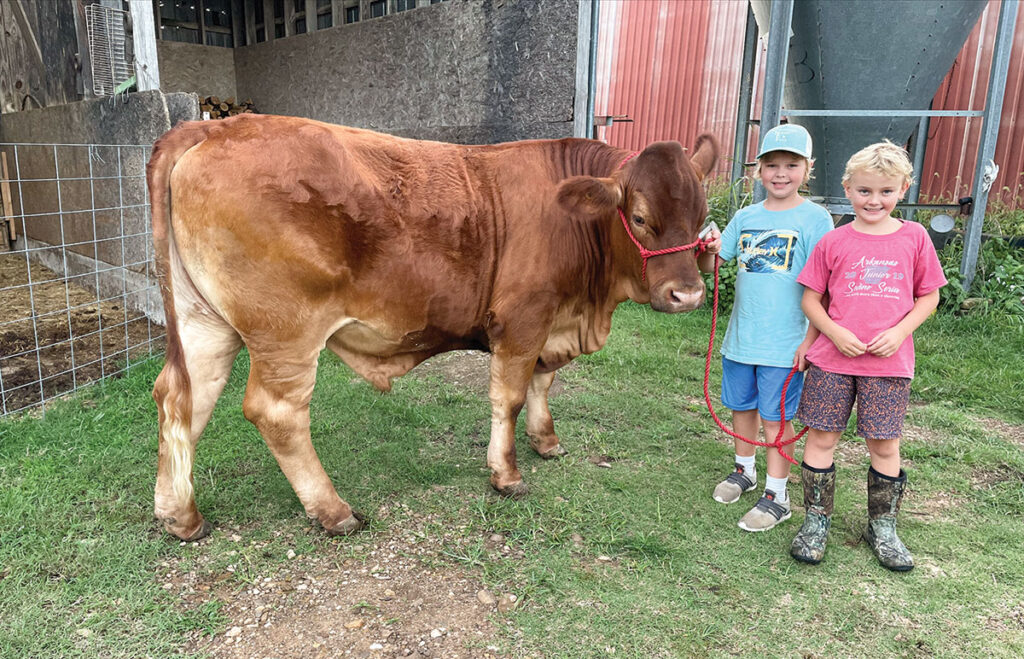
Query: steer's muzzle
674,296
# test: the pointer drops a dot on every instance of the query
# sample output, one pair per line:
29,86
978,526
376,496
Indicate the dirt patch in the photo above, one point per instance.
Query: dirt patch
985,479
393,594
466,369
932,507
55,336
396,596
471,370
1008,431
1006,618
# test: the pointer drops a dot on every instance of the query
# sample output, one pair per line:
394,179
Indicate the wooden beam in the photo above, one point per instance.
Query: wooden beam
585,33
289,18
83,62
237,23
311,16
5,192
250,23
147,66
268,20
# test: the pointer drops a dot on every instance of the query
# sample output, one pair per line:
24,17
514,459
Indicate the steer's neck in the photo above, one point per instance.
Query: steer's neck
580,157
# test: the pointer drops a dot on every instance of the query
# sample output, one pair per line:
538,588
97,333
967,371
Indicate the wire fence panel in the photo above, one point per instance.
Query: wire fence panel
79,299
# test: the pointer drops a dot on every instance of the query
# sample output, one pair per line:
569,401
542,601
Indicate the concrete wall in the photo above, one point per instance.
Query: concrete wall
202,70
79,193
137,118
468,71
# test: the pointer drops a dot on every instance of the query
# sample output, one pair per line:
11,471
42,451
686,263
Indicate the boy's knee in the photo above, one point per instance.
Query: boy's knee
823,440
884,448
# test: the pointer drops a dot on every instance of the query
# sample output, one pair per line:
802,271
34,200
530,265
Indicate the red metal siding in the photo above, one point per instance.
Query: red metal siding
651,65
674,68
723,57
949,165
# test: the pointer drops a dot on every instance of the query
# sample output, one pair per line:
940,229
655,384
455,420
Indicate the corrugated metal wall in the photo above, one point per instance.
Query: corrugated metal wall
674,69
652,62
949,163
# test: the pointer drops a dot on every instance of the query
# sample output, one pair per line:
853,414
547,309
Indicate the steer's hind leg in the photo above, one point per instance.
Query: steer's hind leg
540,427
185,393
277,403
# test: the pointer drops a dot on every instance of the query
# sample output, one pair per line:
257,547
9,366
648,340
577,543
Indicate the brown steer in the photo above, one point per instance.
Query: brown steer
288,236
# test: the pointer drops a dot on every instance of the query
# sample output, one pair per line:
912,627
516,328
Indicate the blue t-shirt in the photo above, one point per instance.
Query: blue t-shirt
767,323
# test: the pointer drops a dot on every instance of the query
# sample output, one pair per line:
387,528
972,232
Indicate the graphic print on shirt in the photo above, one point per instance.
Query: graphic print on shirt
767,250
872,277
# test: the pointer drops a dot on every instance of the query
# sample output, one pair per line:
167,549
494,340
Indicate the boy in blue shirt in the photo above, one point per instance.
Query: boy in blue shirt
768,333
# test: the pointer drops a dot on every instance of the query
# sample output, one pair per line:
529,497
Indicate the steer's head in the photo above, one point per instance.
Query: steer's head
659,193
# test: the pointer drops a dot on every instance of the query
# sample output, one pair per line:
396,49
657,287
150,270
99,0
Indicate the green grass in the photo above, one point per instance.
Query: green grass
80,555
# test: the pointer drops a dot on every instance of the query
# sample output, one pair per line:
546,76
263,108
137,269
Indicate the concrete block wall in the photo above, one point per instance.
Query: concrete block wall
467,71
80,186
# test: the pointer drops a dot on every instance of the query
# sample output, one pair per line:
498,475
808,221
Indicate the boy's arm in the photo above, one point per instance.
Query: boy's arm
845,340
800,358
888,342
706,260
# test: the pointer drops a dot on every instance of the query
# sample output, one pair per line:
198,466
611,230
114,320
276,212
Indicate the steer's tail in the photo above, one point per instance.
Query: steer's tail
173,389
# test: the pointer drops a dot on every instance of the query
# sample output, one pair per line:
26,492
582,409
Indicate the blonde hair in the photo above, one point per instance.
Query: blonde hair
756,174
884,158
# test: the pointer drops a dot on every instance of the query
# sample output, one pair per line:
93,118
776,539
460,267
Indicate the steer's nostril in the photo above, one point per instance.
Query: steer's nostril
691,297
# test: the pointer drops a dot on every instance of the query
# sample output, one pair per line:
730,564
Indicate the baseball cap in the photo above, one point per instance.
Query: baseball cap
787,137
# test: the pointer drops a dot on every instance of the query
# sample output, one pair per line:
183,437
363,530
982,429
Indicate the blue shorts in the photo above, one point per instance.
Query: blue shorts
749,387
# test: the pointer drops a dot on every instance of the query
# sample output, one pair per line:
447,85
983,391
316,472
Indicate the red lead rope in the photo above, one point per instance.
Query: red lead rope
700,246
778,443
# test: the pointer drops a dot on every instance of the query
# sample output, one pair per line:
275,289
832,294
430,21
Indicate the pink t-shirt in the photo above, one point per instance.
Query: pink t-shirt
872,282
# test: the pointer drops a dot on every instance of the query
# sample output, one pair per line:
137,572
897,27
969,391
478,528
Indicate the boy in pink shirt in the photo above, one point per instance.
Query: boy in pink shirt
868,286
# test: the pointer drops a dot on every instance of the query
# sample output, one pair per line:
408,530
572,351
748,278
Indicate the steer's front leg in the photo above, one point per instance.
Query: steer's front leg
509,378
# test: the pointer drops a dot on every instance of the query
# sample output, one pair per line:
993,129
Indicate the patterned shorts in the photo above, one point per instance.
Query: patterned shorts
828,397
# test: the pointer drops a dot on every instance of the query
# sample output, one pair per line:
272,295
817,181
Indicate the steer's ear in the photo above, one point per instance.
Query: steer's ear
705,155
589,198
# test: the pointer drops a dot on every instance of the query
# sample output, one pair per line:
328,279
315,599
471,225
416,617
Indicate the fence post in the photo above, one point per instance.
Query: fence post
983,177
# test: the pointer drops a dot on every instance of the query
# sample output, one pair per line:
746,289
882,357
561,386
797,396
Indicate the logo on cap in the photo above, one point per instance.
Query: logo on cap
787,137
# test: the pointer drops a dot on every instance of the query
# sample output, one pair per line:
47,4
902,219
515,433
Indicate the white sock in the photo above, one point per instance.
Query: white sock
778,486
749,468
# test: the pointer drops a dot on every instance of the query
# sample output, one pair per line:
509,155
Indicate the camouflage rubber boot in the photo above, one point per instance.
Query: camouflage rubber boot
885,494
819,494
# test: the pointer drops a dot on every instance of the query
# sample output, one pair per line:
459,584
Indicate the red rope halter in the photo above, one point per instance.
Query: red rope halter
648,253
645,253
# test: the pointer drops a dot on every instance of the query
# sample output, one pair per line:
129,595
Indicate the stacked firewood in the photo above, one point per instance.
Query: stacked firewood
220,108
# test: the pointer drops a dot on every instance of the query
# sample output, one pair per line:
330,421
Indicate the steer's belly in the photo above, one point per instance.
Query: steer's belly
369,338
379,355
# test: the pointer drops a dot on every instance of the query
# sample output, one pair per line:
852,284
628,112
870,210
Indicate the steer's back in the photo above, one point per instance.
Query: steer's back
289,227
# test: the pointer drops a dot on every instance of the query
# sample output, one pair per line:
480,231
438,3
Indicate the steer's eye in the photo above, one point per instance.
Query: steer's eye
638,220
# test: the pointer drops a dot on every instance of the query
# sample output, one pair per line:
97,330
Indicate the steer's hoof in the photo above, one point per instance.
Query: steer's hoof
514,491
349,525
204,530
555,451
